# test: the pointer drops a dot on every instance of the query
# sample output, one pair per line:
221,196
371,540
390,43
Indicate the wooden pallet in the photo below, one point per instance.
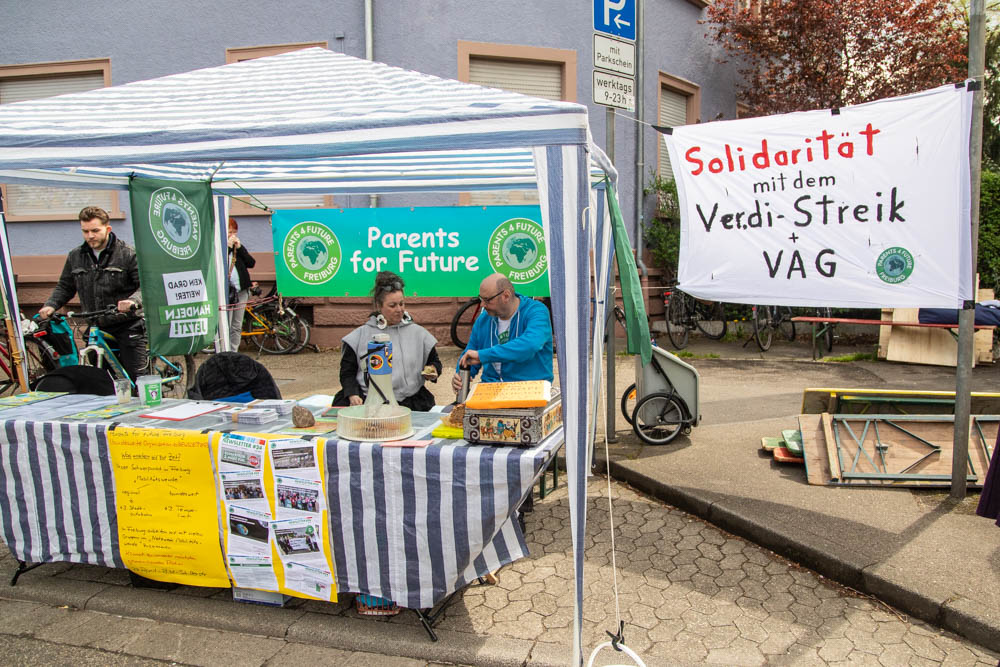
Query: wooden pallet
891,450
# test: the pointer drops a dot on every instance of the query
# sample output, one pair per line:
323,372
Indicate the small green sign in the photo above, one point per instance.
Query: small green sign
174,223
438,251
311,253
894,265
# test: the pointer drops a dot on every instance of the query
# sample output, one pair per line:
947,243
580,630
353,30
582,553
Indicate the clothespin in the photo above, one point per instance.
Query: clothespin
619,638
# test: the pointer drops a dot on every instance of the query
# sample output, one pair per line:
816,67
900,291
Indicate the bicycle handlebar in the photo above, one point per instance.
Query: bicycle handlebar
94,314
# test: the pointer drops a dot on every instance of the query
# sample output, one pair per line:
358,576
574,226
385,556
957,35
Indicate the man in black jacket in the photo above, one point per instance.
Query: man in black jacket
103,272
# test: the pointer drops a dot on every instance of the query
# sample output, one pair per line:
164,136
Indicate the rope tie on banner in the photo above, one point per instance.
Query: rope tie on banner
261,205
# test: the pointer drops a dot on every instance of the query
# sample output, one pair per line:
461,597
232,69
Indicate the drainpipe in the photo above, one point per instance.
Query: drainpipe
639,144
370,55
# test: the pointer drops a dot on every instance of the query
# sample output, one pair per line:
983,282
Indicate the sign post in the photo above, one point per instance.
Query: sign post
614,53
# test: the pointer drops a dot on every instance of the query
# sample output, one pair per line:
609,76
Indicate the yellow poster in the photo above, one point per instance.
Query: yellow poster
273,509
168,526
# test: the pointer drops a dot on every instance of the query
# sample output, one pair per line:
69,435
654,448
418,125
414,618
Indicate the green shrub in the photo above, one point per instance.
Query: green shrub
663,233
989,231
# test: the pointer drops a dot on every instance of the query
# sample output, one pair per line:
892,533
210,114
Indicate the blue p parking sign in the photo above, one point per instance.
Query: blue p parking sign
615,17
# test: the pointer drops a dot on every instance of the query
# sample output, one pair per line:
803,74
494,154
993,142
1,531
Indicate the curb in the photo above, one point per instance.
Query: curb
959,615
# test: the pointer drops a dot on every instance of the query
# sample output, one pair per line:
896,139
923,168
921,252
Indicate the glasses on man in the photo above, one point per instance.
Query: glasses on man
487,299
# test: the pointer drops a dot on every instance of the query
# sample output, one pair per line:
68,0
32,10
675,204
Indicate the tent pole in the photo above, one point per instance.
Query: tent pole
609,345
966,319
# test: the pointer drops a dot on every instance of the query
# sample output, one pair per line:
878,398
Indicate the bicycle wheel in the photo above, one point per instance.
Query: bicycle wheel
461,324
710,318
784,323
41,359
8,383
677,319
302,333
659,418
763,326
177,372
628,403
826,334
290,333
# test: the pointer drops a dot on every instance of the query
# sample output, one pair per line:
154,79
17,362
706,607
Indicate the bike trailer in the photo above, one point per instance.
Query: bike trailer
665,373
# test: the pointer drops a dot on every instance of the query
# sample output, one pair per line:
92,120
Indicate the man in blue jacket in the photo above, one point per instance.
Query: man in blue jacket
512,340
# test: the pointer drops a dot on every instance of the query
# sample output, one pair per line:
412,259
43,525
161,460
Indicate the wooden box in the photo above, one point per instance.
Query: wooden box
517,427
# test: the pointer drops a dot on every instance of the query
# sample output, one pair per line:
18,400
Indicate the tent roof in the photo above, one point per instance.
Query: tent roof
310,120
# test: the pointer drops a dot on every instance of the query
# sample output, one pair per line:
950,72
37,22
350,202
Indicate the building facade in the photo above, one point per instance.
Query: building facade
542,49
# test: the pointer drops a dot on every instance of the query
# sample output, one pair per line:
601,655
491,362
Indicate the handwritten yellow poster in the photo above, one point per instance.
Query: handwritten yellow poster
168,526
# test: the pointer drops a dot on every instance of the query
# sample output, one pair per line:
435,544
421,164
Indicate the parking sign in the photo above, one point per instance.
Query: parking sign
615,17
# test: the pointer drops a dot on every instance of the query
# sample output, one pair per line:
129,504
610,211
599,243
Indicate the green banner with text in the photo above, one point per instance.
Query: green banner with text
172,224
438,251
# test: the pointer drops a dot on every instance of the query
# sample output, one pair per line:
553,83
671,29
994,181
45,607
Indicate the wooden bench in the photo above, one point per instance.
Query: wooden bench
814,320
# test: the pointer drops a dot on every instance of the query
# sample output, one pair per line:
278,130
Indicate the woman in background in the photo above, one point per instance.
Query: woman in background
240,260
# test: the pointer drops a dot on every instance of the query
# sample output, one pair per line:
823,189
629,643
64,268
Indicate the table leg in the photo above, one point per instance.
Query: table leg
428,617
23,567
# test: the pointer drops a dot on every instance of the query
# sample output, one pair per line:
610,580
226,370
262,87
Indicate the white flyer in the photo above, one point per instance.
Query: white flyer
249,531
245,488
295,496
253,571
309,580
241,452
295,457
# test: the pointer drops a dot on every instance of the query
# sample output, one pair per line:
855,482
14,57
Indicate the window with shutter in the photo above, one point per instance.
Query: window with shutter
20,83
535,71
679,105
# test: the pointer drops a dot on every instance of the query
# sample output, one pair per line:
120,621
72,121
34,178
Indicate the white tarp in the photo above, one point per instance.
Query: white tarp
865,206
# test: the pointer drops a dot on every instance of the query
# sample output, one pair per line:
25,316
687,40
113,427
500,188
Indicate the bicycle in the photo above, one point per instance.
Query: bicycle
684,314
767,320
465,317
177,371
461,323
40,355
273,325
825,331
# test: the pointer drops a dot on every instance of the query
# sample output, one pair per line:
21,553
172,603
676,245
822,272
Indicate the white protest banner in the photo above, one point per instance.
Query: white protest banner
865,206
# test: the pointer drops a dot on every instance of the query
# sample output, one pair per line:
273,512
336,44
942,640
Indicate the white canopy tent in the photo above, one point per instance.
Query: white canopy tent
317,121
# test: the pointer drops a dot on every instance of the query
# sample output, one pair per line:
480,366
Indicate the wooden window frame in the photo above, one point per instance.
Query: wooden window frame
689,90
241,53
101,66
565,58
237,206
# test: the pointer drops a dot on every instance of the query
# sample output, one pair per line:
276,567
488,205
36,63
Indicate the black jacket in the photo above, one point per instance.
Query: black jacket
114,277
244,260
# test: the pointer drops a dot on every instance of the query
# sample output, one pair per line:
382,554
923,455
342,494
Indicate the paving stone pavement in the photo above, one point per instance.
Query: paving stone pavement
689,594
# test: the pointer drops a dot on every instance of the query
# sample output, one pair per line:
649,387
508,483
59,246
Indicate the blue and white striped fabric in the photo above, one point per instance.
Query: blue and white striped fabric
564,193
58,493
438,517
291,107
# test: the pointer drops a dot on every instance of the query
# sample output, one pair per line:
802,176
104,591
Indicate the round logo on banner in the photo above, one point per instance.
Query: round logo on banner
174,222
311,252
517,250
894,265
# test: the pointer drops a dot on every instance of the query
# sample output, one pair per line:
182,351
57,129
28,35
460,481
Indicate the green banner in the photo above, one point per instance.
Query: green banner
172,224
438,251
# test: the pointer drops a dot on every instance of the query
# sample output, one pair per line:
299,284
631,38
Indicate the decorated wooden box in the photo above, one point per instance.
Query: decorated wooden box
519,427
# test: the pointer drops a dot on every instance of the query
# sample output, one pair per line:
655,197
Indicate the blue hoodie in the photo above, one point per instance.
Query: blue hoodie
527,354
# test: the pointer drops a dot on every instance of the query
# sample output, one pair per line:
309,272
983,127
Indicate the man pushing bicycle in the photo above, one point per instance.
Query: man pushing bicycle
103,272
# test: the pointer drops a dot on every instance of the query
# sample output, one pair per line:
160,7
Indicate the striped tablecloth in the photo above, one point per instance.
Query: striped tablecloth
408,524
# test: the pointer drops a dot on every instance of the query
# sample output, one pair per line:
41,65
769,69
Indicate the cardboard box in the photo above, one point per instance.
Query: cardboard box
253,596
